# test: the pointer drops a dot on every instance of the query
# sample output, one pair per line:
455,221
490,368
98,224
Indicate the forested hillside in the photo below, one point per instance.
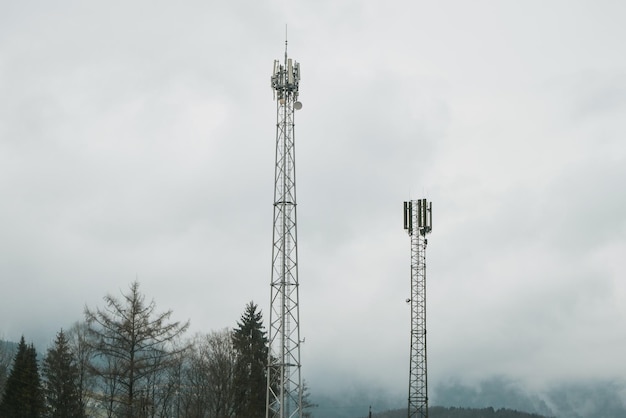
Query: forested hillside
441,412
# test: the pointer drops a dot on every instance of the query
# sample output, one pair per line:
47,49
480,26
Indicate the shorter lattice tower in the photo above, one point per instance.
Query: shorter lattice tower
418,222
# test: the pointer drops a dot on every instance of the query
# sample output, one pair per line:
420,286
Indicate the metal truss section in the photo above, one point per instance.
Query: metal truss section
284,383
418,223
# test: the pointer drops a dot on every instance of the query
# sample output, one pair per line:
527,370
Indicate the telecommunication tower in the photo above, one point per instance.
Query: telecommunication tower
284,384
418,218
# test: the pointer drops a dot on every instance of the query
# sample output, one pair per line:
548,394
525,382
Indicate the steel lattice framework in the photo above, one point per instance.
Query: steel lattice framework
284,384
418,223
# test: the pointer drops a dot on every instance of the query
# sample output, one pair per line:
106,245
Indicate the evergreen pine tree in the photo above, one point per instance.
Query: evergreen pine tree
60,387
22,395
251,347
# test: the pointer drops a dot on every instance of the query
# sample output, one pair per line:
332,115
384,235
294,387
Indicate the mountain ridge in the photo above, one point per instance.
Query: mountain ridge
458,412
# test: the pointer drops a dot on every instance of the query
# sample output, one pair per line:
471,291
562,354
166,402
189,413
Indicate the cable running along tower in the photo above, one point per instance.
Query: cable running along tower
284,384
418,218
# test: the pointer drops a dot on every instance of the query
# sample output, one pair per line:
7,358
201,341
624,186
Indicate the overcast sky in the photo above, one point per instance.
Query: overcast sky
137,142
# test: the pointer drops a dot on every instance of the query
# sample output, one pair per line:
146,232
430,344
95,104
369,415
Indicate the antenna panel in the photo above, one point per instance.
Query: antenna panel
289,71
430,215
406,216
420,222
424,216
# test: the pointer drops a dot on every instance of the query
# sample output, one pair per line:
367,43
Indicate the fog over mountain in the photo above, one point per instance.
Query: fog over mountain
581,399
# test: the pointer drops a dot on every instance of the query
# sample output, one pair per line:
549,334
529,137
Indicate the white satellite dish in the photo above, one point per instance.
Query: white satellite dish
297,105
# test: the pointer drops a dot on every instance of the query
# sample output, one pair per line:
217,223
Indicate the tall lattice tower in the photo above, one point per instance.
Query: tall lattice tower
418,222
284,383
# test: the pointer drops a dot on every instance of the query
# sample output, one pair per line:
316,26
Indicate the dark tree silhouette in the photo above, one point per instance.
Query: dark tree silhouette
251,347
22,395
61,381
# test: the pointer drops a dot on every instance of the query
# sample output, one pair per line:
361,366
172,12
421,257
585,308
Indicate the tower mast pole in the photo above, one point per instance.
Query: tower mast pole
284,382
418,223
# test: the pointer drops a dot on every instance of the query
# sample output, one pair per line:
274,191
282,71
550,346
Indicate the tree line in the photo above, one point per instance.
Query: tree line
126,360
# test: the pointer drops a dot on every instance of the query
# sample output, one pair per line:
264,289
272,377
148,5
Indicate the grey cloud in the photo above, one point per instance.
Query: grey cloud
138,142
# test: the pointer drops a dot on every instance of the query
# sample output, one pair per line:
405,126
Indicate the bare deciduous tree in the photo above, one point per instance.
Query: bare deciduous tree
77,339
207,389
131,343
